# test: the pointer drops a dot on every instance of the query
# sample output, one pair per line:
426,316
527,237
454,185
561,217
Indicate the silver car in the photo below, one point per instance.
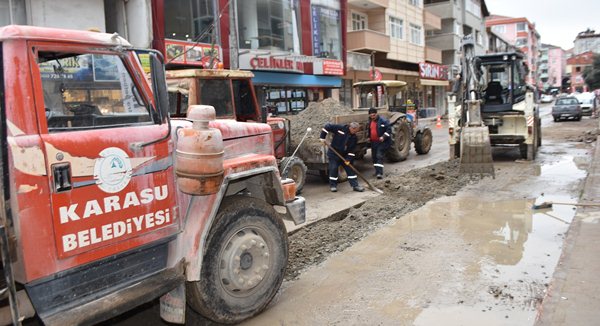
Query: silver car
567,108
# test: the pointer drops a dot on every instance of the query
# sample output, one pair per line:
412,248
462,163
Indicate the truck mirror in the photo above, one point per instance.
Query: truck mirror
159,86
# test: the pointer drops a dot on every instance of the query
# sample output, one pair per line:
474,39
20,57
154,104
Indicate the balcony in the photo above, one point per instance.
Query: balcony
433,55
369,4
444,9
431,20
367,40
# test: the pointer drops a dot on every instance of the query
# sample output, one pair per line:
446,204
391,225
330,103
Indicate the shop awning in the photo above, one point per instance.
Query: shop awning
298,80
431,82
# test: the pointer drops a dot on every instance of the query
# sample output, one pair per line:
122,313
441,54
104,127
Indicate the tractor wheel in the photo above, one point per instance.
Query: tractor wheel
294,169
400,142
423,141
244,262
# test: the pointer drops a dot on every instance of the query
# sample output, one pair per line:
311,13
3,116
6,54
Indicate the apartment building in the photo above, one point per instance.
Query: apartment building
459,18
295,48
386,40
521,33
585,41
575,67
551,67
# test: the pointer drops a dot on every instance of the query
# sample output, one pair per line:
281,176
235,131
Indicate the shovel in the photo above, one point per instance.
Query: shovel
379,191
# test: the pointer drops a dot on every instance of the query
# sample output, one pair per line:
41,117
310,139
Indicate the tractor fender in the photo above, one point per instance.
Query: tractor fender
396,116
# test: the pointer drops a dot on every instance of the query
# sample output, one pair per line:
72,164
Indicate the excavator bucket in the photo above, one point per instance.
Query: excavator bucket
476,151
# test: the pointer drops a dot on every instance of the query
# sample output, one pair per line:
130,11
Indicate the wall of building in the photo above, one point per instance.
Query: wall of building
555,66
71,14
405,50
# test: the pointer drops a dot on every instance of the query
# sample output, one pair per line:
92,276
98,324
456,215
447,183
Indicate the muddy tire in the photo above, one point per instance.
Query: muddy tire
294,169
400,142
423,141
527,151
244,262
455,150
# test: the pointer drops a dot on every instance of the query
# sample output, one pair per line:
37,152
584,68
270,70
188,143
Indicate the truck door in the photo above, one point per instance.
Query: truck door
108,193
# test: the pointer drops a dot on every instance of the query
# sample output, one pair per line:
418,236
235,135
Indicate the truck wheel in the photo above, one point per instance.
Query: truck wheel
455,150
423,141
244,262
400,143
294,169
527,151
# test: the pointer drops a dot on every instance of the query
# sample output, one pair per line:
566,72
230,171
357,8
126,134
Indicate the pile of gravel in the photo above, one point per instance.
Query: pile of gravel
315,116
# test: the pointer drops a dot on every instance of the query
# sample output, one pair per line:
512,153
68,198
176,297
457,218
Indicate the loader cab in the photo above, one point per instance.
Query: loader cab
504,81
385,95
230,92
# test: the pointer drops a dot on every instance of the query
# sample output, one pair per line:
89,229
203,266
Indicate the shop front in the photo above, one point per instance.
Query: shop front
287,83
433,81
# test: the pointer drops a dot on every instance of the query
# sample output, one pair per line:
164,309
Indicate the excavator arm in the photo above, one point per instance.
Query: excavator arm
475,146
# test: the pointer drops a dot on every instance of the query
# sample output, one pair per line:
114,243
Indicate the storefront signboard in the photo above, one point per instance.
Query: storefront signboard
257,60
330,67
433,71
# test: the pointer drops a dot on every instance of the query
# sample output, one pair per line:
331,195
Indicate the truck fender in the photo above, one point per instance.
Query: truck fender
262,183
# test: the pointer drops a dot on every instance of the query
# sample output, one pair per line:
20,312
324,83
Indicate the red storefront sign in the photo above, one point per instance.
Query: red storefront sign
433,71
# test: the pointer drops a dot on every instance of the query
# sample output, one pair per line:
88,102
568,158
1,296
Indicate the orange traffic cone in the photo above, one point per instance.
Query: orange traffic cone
438,124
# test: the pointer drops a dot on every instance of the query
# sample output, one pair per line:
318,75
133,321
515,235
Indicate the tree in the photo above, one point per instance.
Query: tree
591,74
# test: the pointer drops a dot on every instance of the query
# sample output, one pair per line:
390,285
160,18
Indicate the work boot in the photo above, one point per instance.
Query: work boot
333,189
379,176
359,189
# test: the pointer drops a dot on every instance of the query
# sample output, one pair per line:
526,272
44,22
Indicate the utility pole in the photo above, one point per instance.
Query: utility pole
233,40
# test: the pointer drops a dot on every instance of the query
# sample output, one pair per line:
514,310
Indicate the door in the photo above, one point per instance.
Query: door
109,193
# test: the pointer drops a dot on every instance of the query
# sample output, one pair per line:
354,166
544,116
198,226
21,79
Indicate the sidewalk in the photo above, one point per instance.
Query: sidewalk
573,297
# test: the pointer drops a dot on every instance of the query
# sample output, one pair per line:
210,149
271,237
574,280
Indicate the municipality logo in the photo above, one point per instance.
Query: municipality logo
112,170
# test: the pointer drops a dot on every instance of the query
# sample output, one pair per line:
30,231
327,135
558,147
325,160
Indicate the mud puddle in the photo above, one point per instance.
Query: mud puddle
482,256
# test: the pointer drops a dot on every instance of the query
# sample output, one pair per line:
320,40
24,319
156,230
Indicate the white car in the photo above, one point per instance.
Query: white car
546,98
588,102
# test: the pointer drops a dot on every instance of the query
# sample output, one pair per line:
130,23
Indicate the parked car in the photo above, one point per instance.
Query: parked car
588,102
567,108
546,98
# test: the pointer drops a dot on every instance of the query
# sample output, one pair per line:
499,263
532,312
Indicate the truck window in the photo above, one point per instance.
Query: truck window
88,91
217,92
245,106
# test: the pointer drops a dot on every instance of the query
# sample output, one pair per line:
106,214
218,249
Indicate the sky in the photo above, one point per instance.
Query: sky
557,21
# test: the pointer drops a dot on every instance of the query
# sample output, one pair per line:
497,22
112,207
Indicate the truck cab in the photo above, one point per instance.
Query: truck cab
99,214
232,94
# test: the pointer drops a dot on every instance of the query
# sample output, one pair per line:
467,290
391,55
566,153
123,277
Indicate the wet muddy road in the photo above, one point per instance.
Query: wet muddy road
480,256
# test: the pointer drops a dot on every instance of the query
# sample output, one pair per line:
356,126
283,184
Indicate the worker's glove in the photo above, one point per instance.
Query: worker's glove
347,162
322,140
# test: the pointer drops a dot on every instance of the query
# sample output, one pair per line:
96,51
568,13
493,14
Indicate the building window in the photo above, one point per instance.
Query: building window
326,29
191,21
359,21
269,24
521,41
474,7
416,3
478,37
457,28
521,27
499,29
416,34
396,28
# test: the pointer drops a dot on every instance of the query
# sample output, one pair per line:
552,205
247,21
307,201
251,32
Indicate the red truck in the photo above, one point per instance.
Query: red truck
108,204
